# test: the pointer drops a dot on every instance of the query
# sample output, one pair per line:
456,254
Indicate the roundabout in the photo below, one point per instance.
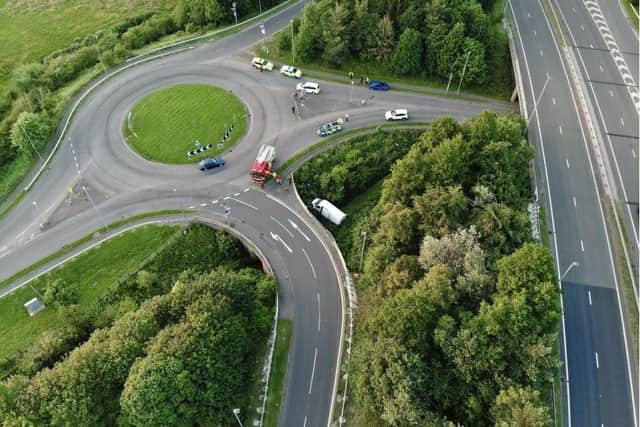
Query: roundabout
93,160
168,125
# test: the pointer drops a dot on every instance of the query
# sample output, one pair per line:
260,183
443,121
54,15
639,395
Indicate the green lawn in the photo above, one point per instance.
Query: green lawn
167,123
278,373
31,29
90,274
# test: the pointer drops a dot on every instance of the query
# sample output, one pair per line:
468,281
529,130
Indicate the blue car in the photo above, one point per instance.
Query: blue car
207,164
378,85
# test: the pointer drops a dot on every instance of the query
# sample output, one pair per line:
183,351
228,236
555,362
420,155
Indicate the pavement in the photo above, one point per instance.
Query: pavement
596,368
93,160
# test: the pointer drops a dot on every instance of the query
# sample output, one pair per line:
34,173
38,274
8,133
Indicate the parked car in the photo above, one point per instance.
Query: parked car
329,129
262,64
290,71
308,87
399,114
378,85
209,163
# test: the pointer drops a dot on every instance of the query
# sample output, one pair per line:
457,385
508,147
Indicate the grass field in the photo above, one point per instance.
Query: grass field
90,274
31,29
167,123
278,373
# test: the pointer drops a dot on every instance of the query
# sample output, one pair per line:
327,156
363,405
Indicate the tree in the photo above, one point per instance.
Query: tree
400,275
520,407
335,36
361,24
26,76
407,57
441,210
30,132
309,37
382,40
59,293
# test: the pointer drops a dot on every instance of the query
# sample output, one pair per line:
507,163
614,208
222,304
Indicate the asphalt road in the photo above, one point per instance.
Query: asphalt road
607,49
597,388
94,160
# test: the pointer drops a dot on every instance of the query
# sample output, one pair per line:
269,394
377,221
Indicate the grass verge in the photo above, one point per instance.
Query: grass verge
166,123
88,274
73,245
631,12
345,136
278,373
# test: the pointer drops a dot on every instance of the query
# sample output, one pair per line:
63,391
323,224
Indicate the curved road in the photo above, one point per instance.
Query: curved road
119,183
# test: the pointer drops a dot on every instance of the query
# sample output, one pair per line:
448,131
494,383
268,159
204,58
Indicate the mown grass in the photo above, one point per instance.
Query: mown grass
278,373
89,274
31,29
167,123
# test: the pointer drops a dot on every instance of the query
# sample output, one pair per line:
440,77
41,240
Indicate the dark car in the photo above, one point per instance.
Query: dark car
329,129
207,164
378,85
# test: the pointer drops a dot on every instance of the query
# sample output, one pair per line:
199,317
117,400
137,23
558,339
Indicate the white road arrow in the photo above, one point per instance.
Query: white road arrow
278,239
294,225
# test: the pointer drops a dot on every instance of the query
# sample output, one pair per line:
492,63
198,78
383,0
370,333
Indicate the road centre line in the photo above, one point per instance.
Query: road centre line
633,153
560,128
249,205
574,201
553,98
294,225
597,361
318,295
313,270
622,121
282,225
567,162
589,294
582,245
313,370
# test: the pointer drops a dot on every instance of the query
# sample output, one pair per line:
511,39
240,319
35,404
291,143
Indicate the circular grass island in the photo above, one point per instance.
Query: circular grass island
164,126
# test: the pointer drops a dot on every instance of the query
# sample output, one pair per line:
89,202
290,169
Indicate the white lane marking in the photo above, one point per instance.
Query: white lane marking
622,121
279,239
213,202
591,45
294,225
528,15
305,422
582,27
313,270
191,207
611,92
581,245
574,201
282,225
548,76
541,53
601,69
313,370
203,204
226,198
245,190
236,194
249,205
633,153
560,129
554,100
567,162
589,294
597,361
318,295
535,33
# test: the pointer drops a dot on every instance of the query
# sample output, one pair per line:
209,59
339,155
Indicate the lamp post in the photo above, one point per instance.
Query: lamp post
535,106
235,11
573,264
466,61
236,412
293,46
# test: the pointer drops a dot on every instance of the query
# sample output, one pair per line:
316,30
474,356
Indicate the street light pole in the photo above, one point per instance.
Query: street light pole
364,239
26,132
573,264
466,61
260,3
235,11
535,106
351,93
236,411
293,46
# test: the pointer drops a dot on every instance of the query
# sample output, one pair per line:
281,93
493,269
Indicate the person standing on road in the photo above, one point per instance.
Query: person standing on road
293,109
346,117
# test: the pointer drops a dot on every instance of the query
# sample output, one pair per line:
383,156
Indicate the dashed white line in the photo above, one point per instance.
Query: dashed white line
554,100
589,294
567,162
581,245
548,76
249,205
621,121
633,153
560,129
541,53
574,201
597,361
601,69
236,194
318,295
305,422
203,204
313,370
245,190
313,270
282,225
535,33
582,27
611,92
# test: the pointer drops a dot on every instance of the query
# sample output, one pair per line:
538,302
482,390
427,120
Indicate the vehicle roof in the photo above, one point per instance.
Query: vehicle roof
400,111
310,84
